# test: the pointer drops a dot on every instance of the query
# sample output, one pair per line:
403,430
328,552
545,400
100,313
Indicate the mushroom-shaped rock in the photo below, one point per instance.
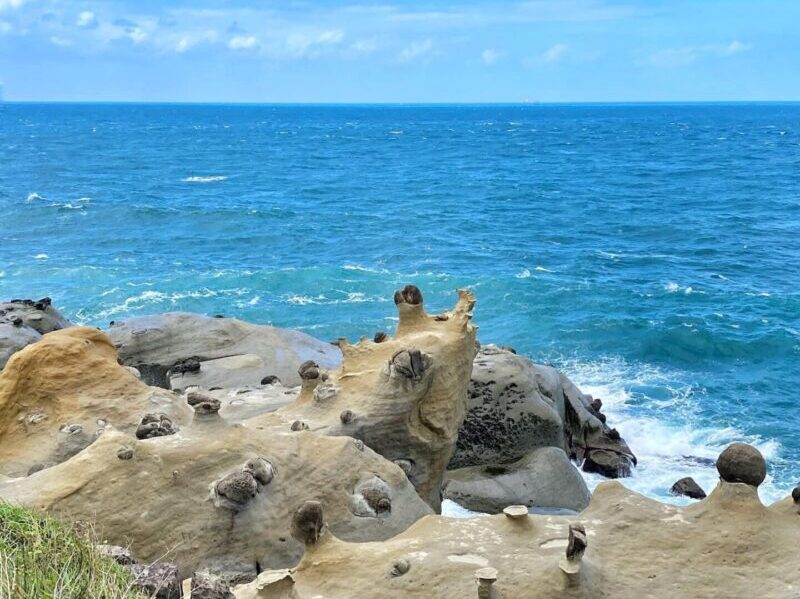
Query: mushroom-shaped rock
299,425
237,488
410,363
576,546
688,486
742,463
260,469
372,498
516,512
400,567
308,370
410,294
125,453
380,337
203,404
270,379
347,416
307,523
796,494
155,425
485,577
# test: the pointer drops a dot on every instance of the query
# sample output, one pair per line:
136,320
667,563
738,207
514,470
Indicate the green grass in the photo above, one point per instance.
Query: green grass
41,558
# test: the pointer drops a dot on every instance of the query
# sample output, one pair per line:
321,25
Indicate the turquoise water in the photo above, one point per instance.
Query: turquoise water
652,251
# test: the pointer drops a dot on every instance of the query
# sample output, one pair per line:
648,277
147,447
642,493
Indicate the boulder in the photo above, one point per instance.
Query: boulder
404,397
742,463
513,406
590,440
182,343
543,479
61,393
24,321
688,487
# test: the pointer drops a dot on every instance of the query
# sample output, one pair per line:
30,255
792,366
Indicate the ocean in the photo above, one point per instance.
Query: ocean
650,251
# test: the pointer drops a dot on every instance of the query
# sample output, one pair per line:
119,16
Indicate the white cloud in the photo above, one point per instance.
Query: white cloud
490,56
734,48
415,50
308,45
555,53
86,20
242,42
9,4
673,57
60,41
364,45
136,34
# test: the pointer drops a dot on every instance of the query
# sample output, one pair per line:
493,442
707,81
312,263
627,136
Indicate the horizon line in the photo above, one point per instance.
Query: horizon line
412,103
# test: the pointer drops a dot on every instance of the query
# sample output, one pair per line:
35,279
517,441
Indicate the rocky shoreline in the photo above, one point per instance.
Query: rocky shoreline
261,462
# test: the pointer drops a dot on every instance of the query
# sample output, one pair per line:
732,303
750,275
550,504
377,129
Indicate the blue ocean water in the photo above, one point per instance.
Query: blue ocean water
651,251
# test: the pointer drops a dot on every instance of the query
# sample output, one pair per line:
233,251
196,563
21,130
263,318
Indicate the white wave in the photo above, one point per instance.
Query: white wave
543,269
666,450
524,274
672,287
304,300
41,257
208,179
360,268
32,197
146,298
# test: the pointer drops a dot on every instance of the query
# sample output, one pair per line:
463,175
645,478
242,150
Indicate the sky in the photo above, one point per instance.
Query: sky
413,51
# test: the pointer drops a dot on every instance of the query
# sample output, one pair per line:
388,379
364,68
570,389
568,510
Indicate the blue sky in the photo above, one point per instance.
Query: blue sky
416,51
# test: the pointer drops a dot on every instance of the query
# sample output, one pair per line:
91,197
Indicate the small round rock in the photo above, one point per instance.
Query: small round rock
125,453
742,463
516,512
796,494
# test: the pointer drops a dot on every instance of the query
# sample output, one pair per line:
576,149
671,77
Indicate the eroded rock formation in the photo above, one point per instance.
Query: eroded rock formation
59,394
623,546
24,321
405,397
178,350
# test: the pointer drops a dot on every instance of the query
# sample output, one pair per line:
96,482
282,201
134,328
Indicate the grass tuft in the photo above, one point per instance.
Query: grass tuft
41,558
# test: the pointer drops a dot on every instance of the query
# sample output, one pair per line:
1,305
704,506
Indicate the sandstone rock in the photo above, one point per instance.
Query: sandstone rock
513,406
406,395
157,580
590,440
742,463
728,545
59,394
23,322
688,487
229,352
165,501
544,478
13,338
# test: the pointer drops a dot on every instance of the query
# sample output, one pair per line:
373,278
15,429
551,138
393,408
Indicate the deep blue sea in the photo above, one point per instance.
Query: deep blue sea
651,251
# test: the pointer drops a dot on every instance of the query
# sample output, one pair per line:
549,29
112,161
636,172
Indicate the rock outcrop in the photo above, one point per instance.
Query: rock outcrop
544,479
404,397
219,496
688,487
623,546
59,394
24,321
515,406
178,350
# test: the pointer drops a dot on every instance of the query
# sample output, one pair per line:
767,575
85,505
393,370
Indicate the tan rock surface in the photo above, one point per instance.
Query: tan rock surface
405,397
728,545
165,500
57,395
